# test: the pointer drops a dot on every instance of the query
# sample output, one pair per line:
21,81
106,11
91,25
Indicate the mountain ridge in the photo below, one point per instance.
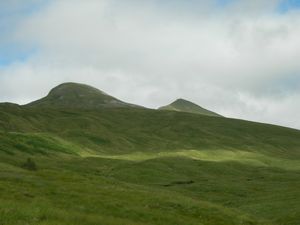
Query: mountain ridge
83,96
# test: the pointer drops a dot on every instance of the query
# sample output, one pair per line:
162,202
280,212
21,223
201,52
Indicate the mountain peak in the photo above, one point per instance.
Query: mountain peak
76,95
181,100
182,105
74,89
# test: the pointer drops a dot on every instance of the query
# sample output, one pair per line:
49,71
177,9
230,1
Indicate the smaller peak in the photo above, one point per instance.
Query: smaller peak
181,100
182,105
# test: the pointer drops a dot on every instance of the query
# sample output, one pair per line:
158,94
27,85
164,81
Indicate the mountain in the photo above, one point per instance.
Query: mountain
182,105
75,95
136,166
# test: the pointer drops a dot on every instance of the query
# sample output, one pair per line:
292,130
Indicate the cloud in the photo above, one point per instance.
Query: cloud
240,59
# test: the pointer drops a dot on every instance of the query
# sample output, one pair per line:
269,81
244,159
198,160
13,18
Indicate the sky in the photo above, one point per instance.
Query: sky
239,58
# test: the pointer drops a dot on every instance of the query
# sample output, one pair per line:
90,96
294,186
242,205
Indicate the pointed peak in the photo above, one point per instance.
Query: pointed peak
183,105
181,100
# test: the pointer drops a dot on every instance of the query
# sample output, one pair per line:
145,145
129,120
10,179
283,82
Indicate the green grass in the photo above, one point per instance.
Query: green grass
77,191
138,166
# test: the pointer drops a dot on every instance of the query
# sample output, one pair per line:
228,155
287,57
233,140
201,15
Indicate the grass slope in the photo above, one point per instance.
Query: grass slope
138,166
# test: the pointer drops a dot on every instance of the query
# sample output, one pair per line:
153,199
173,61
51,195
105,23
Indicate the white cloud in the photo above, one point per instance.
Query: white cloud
234,60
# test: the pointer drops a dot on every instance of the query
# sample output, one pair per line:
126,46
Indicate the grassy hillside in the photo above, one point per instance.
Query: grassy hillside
181,105
130,165
138,166
130,130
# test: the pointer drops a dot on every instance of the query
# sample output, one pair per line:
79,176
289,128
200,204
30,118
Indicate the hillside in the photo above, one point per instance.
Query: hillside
181,105
132,165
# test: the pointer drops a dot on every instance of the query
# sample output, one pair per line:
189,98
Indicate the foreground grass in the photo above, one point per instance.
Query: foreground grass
167,190
85,191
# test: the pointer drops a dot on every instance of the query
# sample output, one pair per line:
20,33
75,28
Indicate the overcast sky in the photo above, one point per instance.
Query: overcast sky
240,58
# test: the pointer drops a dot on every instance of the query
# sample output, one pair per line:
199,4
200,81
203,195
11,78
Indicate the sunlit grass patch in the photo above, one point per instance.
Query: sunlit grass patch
254,159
